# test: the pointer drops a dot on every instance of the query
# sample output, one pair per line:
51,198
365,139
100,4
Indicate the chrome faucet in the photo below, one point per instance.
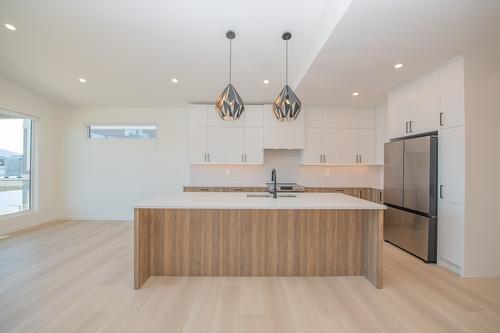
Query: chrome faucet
274,192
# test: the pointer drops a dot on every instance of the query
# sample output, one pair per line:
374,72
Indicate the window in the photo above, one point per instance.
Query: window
121,131
15,163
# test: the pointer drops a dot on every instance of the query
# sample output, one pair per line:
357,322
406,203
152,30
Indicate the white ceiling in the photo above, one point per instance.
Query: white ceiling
374,35
128,50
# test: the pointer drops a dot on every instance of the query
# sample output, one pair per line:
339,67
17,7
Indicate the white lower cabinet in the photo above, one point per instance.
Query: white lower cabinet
451,171
451,233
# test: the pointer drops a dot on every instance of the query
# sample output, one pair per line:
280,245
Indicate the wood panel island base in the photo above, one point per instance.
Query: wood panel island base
311,235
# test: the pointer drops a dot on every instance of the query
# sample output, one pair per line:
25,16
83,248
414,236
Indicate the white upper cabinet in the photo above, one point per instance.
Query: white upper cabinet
216,144
235,145
426,104
253,151
283,134
254,116
198,144
313,154
452,94
198,115
414,108
314,117
214,141
339,137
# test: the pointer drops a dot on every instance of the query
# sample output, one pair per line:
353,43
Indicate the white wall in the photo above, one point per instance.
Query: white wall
287,163
102,179
47,159
482,167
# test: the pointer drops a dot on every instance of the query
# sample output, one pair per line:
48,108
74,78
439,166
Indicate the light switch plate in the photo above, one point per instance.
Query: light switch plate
228,172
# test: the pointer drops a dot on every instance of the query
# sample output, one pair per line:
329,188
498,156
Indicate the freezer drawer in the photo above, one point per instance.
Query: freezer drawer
414,233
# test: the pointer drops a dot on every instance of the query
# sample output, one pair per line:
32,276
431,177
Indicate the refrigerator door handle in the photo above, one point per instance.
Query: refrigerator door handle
406,127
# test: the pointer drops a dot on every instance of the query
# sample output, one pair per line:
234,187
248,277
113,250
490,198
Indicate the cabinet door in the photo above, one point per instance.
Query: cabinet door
398,113
254,149
452,94
314,118
216,144
235,144
283,134
425,104
450,233
198,115
334,141
365,145
314,146
253,115
451,165
197,144
213,118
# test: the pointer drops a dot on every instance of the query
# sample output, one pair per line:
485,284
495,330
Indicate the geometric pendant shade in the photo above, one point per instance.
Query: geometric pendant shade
229,105
287,105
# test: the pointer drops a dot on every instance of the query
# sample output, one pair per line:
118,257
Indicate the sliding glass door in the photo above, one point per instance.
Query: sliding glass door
16,146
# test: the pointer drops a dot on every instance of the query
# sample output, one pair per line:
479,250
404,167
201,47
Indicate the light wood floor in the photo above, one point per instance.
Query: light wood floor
78,277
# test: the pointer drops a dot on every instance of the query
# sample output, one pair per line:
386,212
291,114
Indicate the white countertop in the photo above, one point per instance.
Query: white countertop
231,200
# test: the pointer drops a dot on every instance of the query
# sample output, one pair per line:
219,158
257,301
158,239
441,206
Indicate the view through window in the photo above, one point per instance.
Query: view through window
15,163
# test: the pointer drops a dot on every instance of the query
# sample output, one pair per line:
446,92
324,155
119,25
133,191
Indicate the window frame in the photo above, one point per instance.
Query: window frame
88,126
34,162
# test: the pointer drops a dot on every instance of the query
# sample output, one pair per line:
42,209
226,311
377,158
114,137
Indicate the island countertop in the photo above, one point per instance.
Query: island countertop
224,200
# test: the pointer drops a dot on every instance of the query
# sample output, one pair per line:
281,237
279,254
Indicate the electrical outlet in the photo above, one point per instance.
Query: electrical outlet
228,172
327,172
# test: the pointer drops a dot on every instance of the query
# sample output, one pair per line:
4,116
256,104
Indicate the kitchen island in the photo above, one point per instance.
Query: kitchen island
245,234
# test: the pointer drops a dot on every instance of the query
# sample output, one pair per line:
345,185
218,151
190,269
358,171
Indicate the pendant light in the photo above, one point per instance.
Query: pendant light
287,105
229,104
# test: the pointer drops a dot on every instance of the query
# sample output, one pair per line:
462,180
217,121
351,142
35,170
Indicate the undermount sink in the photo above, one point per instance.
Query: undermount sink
263,195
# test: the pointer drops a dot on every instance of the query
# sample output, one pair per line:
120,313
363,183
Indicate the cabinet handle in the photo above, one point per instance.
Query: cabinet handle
411,130
203,189
441,191
360,158
245,157
406,127
205,157
380,196
441,122
324,158
208,157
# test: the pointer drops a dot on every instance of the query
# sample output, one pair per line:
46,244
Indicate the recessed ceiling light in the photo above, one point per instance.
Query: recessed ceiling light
10,27
266,81
174,80
82,80
397,66
355,93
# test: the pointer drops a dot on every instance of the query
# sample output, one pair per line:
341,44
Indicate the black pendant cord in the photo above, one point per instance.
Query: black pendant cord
230,59
286,64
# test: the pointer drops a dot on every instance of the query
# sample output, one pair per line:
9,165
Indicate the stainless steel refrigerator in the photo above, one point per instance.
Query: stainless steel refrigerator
410,193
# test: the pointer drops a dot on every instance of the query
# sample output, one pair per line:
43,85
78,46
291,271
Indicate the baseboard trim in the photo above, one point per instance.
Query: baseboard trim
33,227
449,266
